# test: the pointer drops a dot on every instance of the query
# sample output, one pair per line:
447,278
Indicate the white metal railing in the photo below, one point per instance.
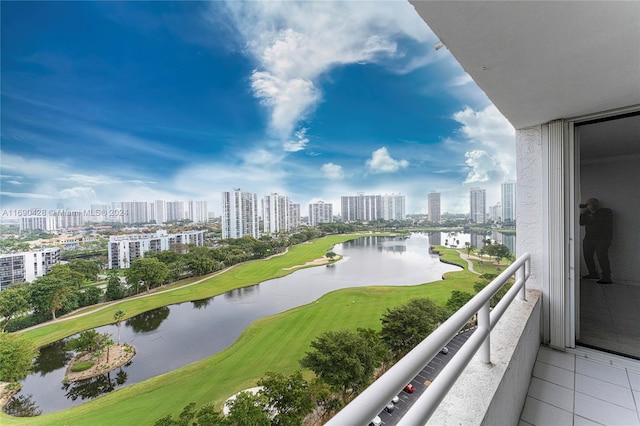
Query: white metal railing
372,400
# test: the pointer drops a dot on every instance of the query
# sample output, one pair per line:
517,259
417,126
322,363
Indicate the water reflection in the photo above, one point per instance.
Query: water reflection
96,386
202,303
22,406
148,321
51,358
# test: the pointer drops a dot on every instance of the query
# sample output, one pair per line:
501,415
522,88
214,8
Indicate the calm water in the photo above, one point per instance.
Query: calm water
174,336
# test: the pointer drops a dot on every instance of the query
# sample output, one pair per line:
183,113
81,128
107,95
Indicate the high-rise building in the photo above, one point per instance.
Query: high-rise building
320,212
393,207
239,214
197,211
275,213
39,222
294,216
124,249
478,205
175,211
433,206
509,201
160,212
26,266
495,213
361,207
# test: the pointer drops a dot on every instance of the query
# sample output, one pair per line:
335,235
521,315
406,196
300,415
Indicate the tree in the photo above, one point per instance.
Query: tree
289,396
343,359
118,317
88,268
71,277
498,251
485,280
114,290
16,354
90,296
13,302
248,409
457,300
87,341
48,294
207,415
330,255
407,325
148,270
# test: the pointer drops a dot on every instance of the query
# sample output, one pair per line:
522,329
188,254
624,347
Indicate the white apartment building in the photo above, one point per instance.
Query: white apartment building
320,212
124,249
160,211
275,213
495,212
197,211
294,216
393,207
26,266
41,223
433,206
175,211
361,207
239,214
478,205
508,190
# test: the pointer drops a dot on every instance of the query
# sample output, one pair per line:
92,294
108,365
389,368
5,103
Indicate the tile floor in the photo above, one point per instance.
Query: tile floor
610,317
569,389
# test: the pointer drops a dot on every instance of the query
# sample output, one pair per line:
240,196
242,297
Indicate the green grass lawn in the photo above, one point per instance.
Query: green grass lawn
274,343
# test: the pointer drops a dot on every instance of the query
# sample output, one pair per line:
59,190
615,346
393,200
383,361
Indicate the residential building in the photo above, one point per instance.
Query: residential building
576,137
124,249
393,207
478,205
135,211
495,213
175,211
320,212
294,216
160,212
26,266
197,212
433,207
275,213
361,207
69,218
508,190
42,222
240,214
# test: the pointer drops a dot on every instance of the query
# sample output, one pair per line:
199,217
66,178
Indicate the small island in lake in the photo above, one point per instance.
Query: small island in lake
116,356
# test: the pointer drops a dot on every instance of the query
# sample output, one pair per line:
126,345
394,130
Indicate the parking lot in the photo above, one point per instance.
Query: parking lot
423,379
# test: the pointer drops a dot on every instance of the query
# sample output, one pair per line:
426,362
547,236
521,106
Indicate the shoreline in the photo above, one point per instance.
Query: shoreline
118,356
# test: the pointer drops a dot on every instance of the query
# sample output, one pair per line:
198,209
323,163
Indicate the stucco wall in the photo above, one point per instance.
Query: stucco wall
615,183
530,201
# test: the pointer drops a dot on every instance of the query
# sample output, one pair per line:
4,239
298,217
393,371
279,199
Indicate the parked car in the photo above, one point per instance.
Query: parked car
409,388
389,408
396,399
444,350
377,421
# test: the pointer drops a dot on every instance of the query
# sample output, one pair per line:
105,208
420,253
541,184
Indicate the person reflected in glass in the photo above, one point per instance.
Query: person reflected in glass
598,225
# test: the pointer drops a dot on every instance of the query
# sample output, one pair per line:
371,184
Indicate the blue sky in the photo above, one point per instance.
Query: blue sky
122,101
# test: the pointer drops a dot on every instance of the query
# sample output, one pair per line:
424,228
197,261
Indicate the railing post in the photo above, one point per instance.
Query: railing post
484,323
521,277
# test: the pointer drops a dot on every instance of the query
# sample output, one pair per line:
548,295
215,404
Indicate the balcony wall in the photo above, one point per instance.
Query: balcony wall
495,393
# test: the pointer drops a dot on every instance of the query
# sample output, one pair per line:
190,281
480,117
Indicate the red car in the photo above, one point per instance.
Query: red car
409,388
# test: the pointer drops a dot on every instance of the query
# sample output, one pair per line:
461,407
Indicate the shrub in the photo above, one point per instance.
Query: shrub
81,366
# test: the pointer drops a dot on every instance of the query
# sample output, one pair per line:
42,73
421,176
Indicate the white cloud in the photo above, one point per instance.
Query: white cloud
81,193
333,171
484,168
381,162
295,43
299,144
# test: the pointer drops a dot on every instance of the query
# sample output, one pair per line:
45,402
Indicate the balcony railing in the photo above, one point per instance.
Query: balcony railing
372,400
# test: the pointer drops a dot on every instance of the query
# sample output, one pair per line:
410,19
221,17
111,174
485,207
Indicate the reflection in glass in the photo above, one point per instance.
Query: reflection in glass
148,321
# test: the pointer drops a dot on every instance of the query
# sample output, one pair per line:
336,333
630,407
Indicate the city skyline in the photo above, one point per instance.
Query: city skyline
183,100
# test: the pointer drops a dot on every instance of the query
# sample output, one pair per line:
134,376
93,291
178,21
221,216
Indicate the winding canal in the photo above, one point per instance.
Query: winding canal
171,337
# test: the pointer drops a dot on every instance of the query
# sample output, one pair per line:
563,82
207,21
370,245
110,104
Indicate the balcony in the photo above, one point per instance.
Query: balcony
512,379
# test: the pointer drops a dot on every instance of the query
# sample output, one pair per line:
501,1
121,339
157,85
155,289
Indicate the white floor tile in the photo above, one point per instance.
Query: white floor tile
581,421
605,391
540,413
607,373
557,358
551,393
604,412
553,374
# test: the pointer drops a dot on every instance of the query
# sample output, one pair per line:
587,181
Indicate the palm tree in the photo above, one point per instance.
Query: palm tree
118,317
